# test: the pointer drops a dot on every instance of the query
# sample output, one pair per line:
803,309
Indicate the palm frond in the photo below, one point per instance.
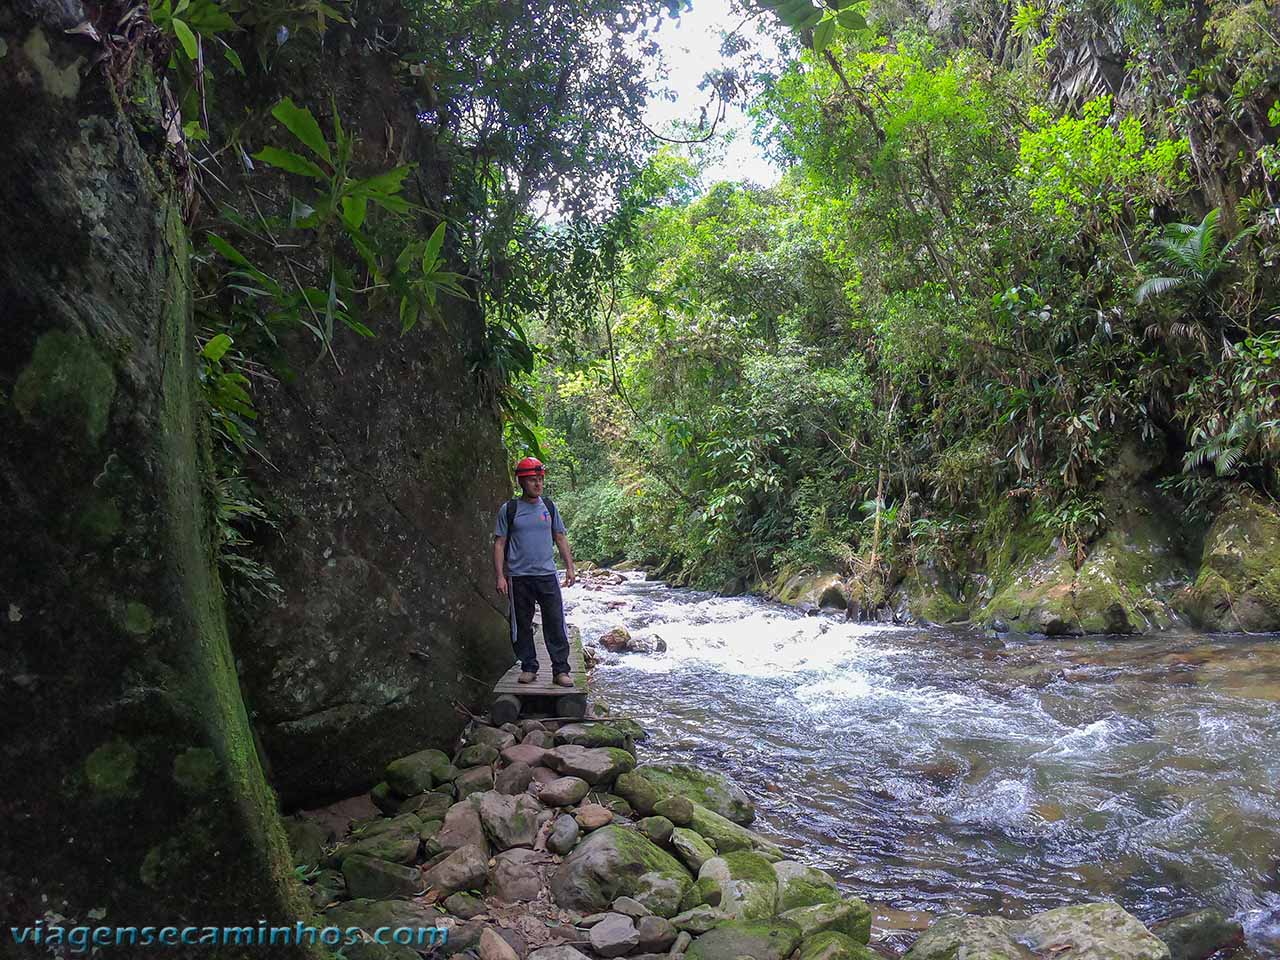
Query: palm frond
1157,286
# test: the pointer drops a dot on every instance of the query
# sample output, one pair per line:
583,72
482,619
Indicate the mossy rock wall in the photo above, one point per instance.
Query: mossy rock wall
1237,587
133,792
386,478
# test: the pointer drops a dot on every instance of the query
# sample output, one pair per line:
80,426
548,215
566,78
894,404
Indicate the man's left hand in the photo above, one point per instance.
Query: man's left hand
570,577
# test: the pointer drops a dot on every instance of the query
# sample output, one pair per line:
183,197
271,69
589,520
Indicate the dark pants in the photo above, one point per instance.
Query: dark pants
545,592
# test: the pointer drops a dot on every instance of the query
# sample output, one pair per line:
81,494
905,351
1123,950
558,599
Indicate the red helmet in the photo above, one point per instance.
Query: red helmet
530,467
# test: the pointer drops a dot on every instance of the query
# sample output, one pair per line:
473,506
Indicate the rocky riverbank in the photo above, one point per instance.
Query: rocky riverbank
1148,571
545,840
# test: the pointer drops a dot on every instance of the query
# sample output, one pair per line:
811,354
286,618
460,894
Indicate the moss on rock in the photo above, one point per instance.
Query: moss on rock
1238,584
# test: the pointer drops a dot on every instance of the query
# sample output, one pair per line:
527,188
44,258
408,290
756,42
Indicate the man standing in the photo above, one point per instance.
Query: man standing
522,538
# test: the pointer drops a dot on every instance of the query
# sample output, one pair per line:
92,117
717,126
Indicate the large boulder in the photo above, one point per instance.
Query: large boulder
416,773
613,862
592,735
1087,931
1238,584
727,835
748,885
800,885
596,765
691,848
1199,935
462,827
759,939
1090,931
704,787
369,877
517,874
398,841
511,821
564,791
467,868
830,945
851,917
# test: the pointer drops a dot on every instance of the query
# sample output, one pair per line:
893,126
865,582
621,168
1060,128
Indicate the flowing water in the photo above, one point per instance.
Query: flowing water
938,770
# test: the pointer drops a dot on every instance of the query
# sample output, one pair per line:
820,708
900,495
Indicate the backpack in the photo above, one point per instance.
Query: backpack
512,506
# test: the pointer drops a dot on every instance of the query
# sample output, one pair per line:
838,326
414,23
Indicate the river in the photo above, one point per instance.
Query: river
934,770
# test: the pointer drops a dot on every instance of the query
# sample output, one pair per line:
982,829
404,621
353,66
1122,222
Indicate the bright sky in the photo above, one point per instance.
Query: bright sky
691,46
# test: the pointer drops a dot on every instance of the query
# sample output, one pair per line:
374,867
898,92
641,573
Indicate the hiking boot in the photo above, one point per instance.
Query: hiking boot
527,677
563,680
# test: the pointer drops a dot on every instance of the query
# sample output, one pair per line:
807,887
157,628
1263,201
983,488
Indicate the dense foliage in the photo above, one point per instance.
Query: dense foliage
1010,252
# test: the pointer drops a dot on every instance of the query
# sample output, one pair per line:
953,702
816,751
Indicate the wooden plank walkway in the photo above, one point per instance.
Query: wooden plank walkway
545,686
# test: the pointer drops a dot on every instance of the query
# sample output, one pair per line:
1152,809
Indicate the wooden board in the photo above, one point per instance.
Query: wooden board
545,686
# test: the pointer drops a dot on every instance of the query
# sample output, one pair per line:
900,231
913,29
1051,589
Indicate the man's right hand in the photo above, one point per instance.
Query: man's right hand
502,586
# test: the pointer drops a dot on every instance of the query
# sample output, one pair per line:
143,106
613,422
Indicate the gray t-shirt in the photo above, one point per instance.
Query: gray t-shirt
529,544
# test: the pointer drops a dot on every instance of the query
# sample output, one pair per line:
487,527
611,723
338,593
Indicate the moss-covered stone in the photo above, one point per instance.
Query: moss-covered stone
1238,584
613,862
109,769
851,917
415,773
704,787
196,770
723,834
800,885
759,939
66,388
831,945
967,938
747,882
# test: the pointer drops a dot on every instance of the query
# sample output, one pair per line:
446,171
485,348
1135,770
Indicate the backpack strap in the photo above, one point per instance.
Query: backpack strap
551,510
511,522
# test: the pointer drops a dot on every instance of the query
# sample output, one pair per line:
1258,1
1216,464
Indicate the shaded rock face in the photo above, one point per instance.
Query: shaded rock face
614,862
1123,583
1238,584
128,756
389,475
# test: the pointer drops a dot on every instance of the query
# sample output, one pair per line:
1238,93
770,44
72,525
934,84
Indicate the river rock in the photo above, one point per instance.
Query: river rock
691,848
429,835
534,756
700,919
830,945
760,939
513,779
416,773
617,804
398,841
467,868
637,791
498,739
596,765
328,886
530,725
851,917
631,907
462,827
616,640
800,885
591,735
464,905
564,834
543,739
978,938
384,798
557,953
723,834
379,879
1196,936
657,829
1089,931
306,840
427,806
613,862
704,787
683,939
656,934
369,914
517,874
511,821
564,791
475,780
677,809
748,885
477,755
592,816
614,936
493,947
